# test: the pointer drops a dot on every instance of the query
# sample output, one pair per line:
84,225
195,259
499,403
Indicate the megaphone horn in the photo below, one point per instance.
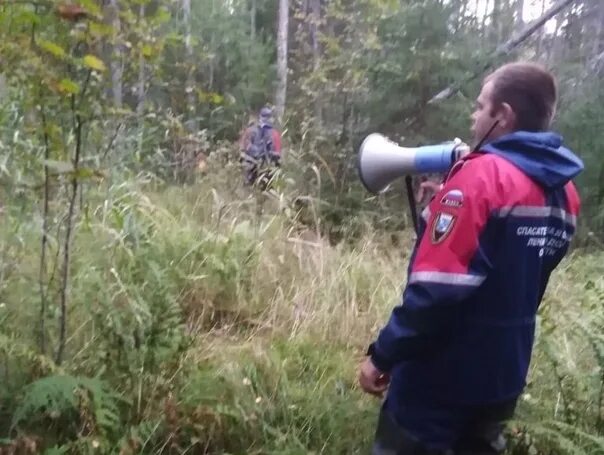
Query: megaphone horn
381,161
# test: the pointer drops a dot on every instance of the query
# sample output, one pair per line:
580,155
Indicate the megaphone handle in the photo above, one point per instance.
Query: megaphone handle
412,205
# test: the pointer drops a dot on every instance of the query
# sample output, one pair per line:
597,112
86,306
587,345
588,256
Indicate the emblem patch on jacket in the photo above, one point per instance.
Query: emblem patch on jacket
442,226
453,199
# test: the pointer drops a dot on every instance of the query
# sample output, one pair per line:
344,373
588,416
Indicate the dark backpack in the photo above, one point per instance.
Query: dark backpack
261,143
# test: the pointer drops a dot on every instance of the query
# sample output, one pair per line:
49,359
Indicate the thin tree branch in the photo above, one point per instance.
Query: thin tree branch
42,278
112,141
78,124
25,2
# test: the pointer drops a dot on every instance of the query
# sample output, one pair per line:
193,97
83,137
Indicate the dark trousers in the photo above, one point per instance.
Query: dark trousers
259,171
480,433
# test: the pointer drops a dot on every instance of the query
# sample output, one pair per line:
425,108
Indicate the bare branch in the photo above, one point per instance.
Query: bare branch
504,49
78,124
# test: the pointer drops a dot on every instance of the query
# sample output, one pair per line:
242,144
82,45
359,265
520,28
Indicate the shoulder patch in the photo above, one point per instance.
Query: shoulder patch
442,226
452,199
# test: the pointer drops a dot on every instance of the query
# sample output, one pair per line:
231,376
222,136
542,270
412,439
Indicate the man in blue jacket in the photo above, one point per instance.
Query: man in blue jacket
454,355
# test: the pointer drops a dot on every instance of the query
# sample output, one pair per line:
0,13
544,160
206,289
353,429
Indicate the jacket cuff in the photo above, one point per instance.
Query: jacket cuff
379,361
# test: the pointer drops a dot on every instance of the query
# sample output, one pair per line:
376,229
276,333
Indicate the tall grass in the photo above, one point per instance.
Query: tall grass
209,318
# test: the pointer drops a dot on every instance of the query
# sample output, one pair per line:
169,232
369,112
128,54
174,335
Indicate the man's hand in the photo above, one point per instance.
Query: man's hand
371,379
461,149
427,188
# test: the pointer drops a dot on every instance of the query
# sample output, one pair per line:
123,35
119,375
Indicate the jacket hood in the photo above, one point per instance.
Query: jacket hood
540,155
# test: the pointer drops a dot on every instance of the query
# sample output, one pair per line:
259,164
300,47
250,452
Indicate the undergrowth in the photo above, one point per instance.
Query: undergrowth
212,319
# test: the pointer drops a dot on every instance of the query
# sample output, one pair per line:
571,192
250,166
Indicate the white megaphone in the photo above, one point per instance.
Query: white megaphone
381,161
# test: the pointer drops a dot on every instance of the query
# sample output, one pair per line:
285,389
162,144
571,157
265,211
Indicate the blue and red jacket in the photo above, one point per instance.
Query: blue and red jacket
489,240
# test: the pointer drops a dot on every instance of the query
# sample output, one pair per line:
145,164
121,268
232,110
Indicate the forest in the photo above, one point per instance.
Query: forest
153,303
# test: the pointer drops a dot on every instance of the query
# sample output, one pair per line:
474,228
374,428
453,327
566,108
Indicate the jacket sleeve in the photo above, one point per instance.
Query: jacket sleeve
447,267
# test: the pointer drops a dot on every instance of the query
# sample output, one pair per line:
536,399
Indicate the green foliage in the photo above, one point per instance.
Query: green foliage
271,398
581,123
152,277
215,318
73,404
234,339
562,408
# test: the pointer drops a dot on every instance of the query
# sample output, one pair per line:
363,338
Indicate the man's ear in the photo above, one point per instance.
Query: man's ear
506,117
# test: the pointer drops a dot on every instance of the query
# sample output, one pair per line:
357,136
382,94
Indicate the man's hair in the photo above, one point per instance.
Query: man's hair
530,90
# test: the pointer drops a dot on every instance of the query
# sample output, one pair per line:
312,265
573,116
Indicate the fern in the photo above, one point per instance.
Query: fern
595,443
139,438
14,348
65,396
561,438
104,404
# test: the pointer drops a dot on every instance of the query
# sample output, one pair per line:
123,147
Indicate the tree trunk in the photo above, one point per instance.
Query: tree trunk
461,14
316,55
519,20
496,22
598,43
141,91
190,81
116,63
213,57
557,46
485,16
2,87
282,36
253,20
541,32
512,43
114,53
